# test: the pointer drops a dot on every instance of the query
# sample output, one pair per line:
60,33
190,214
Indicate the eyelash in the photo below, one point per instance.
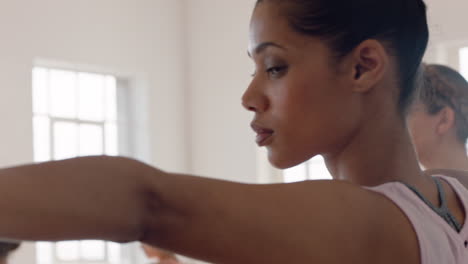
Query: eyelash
273,71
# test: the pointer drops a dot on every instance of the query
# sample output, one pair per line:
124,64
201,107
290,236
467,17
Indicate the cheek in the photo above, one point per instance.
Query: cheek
299,106
315,117
308,94
412,123
421,131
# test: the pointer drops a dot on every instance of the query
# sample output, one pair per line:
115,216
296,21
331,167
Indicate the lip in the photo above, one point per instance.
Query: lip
264,135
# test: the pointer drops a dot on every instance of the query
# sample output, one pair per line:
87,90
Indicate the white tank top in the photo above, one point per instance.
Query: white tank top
439,242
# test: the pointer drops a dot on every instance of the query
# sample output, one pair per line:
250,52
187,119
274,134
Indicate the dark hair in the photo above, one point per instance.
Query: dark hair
445,87
6,248
400,24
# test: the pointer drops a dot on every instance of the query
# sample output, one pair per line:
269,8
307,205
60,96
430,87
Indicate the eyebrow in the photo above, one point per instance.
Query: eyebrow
263,46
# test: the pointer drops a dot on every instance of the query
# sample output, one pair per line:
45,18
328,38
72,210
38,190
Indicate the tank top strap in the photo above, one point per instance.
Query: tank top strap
443,210
462,194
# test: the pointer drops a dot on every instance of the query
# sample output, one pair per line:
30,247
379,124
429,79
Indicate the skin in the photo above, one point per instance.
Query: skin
164,257
342,112
435,138
145,207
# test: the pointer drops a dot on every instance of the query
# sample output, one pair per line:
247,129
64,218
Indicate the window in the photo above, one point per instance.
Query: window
464,62
75,114
313,169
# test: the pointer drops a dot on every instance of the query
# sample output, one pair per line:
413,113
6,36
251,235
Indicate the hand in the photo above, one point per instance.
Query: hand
169,261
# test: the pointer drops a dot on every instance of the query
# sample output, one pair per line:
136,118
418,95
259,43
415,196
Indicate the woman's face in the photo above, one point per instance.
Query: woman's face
301,98
422,127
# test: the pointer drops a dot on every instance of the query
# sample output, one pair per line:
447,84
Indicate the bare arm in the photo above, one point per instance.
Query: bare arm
223,222
96,197
307,222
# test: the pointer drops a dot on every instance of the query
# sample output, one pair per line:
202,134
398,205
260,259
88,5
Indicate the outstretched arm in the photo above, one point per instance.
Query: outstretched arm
123,200
82,198
306,222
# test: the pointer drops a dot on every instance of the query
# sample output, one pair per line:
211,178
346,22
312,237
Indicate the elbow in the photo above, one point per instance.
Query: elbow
146,230
143,203
150,205
146,222
138,223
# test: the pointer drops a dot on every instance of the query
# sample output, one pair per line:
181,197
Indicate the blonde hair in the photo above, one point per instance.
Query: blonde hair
444,87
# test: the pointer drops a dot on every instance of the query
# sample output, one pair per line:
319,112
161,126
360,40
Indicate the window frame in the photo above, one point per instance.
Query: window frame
52,120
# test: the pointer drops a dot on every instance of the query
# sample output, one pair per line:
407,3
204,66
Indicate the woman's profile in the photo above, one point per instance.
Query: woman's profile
333,78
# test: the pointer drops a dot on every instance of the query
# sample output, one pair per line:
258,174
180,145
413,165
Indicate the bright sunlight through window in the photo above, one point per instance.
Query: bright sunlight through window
75,114
464,62
314,169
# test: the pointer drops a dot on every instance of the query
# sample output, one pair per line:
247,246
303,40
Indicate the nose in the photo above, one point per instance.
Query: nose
254,98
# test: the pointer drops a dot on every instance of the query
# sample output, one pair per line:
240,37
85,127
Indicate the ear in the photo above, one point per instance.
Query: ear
370,61
446,121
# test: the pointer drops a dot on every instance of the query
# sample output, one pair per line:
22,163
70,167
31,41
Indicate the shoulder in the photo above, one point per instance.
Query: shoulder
318,221
365,225
390,232
394,235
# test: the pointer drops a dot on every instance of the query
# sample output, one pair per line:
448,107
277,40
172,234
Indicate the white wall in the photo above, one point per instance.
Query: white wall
448,19
141,38
448,28
222,142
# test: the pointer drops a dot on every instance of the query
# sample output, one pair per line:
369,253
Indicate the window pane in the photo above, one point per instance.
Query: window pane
111,98
464,62
295,174
91,90
111,139
65,140
93,250
41,126
78,113
317,169
40,91
113,251
63,93
44,252
91,141
67,251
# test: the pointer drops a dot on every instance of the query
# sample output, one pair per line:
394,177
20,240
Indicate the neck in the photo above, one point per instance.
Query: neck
448,156
381,151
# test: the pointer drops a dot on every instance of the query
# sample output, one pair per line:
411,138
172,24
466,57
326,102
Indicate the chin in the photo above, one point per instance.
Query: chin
281,161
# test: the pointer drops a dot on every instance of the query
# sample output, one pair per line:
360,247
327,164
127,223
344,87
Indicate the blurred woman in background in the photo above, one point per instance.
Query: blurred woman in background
438,120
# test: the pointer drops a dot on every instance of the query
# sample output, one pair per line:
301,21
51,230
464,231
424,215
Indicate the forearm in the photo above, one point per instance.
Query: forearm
84,198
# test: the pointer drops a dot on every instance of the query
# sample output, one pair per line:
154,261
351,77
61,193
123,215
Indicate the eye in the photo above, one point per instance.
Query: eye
276,71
